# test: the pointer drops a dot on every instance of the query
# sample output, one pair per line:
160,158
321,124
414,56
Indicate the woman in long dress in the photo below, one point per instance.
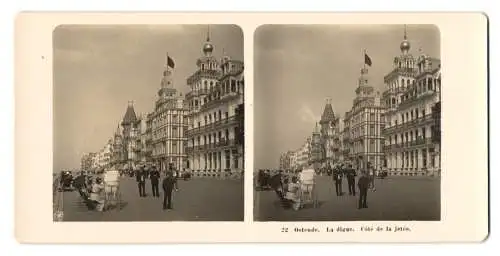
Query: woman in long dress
293,193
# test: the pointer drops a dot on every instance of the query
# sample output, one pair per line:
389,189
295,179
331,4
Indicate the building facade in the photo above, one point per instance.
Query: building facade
163,137
87,161
413,118
130,139
215,133
364,124
329,136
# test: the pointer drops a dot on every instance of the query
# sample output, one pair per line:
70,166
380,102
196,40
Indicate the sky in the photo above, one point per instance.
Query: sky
298,67
99,69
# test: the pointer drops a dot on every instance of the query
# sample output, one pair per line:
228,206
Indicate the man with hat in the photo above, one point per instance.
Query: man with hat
141,181
155,178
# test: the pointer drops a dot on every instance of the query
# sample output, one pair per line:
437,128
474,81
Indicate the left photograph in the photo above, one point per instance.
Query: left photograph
148,123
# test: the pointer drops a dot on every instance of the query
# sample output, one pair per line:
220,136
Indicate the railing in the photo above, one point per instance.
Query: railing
215,125
408,144
213,145
196,93
420,120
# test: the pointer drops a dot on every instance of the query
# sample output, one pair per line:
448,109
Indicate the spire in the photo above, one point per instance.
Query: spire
405,44
328,114
208,47
130,116
208,33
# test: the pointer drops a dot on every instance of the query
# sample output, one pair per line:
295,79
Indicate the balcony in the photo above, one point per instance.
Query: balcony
211,146
196,93
212,126
406,125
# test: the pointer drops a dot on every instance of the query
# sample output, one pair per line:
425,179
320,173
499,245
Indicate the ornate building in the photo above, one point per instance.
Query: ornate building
413,116
363,125
317,148
130,140
165,127
216,114
329,135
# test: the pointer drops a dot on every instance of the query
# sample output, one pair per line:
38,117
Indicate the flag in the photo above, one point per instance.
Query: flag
170,62
368,61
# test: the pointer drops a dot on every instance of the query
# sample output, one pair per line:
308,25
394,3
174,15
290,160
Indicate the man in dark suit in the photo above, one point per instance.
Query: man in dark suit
141,181
363,184
168,185
351,180
337,177
155,179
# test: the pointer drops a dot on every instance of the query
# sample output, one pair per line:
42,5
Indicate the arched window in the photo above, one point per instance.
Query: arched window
402,83
429,83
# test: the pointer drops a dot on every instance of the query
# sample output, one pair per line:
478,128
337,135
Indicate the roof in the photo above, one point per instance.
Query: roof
328,114
130,116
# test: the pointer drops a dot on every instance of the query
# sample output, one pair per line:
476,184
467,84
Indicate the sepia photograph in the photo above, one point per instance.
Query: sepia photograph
148,123
347,123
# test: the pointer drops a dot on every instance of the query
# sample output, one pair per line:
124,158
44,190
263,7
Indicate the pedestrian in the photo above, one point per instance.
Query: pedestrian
96,195
155,178
168,185
363,184
351,180
141,182
337,176
371,171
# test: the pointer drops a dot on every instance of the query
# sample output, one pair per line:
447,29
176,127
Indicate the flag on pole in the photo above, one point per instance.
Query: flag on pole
170,62
368,60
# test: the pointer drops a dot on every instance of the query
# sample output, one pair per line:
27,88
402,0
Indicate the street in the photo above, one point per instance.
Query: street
201,199
395,198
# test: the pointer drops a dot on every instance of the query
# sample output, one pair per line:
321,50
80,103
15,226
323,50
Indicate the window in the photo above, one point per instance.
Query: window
372,117
424,158
411,158
372,145
372,130
233,86
174,132
423,132
235,159
227,134
205,139
220,135
174,147
228,159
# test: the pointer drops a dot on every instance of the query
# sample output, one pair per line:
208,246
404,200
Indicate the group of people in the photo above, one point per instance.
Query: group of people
169,183
365,182
286,186
92,189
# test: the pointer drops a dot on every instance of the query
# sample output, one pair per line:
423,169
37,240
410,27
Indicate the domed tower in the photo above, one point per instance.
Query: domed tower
205,78
401,76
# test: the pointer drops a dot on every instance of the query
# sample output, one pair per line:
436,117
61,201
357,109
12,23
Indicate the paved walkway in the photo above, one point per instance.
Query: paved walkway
396,198
201,199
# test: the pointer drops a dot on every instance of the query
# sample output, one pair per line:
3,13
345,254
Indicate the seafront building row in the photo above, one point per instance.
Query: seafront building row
397,131
202,131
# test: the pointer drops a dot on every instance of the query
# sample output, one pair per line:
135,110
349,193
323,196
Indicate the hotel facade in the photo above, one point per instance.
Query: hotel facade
413,98
166,126
215,133
363,124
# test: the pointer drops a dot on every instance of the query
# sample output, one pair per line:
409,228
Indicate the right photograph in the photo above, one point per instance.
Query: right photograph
347,123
